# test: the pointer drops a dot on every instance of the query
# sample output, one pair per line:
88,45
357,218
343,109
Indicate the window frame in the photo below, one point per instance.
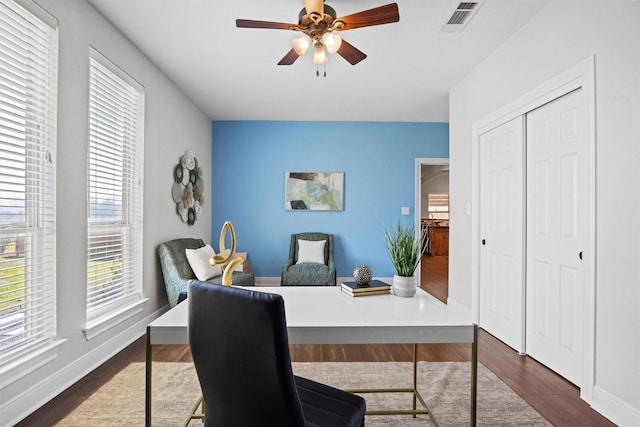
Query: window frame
31,48
109,311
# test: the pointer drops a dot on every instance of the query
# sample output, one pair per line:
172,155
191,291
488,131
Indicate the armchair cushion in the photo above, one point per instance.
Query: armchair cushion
238,278
199,262
309,274
310,251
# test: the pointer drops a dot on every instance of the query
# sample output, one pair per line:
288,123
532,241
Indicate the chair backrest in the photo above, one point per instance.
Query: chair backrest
314,236
173,259
240,350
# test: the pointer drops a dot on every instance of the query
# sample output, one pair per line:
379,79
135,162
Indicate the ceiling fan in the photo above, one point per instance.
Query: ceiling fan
317,21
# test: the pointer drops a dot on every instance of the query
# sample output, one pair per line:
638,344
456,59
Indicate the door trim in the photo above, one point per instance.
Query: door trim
582,75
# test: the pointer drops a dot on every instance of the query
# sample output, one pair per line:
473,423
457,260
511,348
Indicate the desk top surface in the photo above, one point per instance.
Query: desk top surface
328,306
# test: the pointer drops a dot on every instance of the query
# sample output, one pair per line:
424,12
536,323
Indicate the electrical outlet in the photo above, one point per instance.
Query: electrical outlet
405,210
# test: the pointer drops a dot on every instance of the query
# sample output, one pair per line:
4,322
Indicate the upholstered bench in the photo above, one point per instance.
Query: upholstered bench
178,273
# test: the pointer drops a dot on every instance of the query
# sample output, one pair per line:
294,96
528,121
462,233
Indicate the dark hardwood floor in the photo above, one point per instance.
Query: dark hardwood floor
551,395
434,276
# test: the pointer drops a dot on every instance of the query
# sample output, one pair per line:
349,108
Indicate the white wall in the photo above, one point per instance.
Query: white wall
172,125
561,35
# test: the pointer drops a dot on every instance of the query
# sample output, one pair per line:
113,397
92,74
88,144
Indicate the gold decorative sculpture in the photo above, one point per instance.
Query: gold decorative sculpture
230,262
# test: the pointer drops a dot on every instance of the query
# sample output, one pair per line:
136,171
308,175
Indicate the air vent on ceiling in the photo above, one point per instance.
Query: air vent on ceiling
461,16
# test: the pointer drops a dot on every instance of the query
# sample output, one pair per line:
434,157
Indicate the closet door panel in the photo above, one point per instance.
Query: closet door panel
556,234
501,226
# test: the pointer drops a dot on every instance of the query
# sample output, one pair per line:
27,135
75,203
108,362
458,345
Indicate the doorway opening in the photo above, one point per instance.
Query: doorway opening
432,215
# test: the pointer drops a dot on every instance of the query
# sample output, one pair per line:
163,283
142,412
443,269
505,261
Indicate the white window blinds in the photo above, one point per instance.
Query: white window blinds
114,246
438,205
28,100
438,202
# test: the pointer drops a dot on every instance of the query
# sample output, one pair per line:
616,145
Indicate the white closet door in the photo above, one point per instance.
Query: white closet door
502,232
556,232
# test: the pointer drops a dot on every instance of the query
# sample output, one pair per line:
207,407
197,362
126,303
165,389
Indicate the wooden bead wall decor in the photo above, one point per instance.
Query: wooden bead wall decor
188,188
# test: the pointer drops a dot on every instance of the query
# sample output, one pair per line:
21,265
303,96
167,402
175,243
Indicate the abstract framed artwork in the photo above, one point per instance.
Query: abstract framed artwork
314,191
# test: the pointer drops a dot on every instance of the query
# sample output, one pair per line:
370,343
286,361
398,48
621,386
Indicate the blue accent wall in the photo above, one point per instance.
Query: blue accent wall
250,159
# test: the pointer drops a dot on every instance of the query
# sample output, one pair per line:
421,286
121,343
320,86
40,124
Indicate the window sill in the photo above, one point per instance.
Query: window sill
103,323
23,366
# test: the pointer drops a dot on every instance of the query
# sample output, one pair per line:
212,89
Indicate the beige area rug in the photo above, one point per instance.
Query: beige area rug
444,385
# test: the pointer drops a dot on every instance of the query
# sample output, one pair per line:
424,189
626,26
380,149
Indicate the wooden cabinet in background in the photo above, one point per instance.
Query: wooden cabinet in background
439,241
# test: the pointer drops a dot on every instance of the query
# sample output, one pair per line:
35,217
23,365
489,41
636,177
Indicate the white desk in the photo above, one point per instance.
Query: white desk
325,315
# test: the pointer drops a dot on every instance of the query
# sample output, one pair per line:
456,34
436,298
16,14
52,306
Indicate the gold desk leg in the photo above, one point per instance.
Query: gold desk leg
415,375
417,397
193,415
474,376
147,397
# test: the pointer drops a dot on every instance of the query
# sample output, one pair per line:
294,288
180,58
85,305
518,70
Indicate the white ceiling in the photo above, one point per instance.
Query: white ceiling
232,73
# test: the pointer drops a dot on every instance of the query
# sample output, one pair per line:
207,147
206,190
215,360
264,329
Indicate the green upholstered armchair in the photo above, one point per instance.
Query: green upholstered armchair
309,273
177,272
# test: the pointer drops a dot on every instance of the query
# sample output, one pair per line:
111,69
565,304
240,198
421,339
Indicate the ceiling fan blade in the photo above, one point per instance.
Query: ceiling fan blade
352,54
377,16
289,58
250,23
314,6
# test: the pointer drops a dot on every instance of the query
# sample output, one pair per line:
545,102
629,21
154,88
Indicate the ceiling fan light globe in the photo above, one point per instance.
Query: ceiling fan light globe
301,44
332,42
319,55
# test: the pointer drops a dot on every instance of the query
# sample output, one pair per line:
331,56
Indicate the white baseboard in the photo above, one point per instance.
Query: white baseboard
616,410
268,281
16,409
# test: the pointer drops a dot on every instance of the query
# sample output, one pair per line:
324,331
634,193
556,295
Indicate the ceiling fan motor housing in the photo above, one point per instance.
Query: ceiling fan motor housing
315,25
329,15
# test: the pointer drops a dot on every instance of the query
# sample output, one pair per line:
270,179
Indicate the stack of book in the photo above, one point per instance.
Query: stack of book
374,287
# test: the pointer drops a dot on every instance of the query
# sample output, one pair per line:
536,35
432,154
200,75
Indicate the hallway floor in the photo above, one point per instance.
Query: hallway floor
434,276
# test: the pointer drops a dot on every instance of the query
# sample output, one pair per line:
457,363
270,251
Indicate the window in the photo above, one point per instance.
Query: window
28,100
438,205
115,170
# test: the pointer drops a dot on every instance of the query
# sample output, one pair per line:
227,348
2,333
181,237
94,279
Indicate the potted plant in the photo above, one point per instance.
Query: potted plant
405,248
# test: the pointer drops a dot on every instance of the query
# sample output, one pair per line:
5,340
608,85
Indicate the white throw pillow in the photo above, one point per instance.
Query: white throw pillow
311,251
199,262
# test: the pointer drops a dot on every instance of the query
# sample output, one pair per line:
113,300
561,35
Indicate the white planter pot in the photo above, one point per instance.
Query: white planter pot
404,286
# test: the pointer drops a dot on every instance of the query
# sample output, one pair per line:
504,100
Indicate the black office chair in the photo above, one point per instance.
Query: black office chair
240,350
